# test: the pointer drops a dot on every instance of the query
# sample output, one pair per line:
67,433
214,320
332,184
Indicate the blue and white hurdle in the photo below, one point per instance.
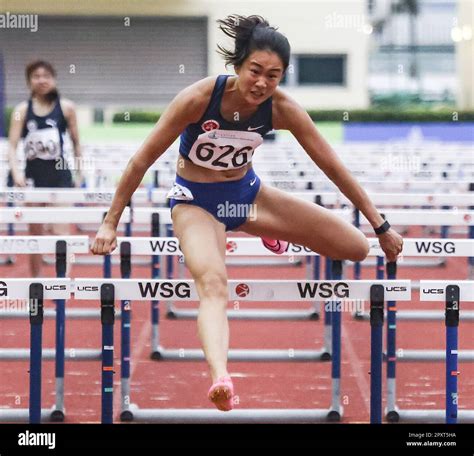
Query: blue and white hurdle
255,290
64,248
35,291
429,247
452,293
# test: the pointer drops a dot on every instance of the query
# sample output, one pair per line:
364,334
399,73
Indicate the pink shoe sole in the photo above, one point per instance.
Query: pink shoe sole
275,246
221,394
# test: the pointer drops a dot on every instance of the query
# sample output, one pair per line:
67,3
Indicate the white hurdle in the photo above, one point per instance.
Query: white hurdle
24,245
248,290
34,292
436,290
429,247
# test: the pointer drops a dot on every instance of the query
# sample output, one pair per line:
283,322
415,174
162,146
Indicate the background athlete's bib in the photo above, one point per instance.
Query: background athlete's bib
224,149
44,144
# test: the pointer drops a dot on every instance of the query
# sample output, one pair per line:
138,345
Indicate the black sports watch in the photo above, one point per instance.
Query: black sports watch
382,228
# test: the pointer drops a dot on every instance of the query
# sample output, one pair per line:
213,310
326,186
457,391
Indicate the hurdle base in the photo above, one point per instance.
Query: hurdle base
236,416
126,416
49,354
57,416
14,415
433,416
246,355
71,314
249,314
392,416
334,416
418,315
432,355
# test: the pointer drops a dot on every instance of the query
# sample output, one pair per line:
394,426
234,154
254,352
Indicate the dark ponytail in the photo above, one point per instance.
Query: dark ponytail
249,34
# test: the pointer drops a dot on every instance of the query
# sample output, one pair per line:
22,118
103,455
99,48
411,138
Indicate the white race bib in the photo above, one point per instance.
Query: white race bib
44,144
224,149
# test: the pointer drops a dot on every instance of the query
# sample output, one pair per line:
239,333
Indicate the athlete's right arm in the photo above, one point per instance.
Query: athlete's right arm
187,107
14,135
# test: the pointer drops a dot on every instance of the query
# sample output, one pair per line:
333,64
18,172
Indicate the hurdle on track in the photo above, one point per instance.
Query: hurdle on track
235,246
251,290
41,215
454,294
426,247
35,291
47,245
63,247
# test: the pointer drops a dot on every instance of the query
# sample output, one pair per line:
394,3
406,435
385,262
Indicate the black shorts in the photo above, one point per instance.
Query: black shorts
43,173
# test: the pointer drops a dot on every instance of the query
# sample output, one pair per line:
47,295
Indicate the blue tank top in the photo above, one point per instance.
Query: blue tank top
215,143
44,135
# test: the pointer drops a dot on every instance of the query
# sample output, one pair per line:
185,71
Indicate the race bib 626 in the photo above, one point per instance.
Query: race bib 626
224,149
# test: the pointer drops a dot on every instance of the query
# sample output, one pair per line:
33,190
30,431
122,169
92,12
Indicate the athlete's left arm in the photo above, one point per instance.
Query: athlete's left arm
289,115
69,110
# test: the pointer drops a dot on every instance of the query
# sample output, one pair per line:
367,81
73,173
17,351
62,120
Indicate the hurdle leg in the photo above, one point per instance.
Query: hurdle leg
327,345
107,297
335,412
155,305
61,264
36,342
391,413
125,330
452,323
376,324
316,275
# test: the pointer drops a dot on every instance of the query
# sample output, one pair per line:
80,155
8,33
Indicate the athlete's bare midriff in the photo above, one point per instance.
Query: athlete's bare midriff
195,173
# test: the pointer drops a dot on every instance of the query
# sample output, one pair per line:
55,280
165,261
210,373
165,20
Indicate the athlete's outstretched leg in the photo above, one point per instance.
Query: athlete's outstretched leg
202,240
284,216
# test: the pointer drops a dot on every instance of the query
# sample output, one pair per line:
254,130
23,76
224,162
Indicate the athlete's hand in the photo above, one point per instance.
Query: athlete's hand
18,180
391,243
105,240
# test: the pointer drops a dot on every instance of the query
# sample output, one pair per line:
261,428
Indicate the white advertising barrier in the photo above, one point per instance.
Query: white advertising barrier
448,217
435,290
42,244
57,214
420,247
19,288
65,196
245,290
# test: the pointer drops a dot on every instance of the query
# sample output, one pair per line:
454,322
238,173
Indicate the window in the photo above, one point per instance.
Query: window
321,69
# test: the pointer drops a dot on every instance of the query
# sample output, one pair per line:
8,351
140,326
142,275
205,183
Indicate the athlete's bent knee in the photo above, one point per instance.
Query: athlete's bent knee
359,250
